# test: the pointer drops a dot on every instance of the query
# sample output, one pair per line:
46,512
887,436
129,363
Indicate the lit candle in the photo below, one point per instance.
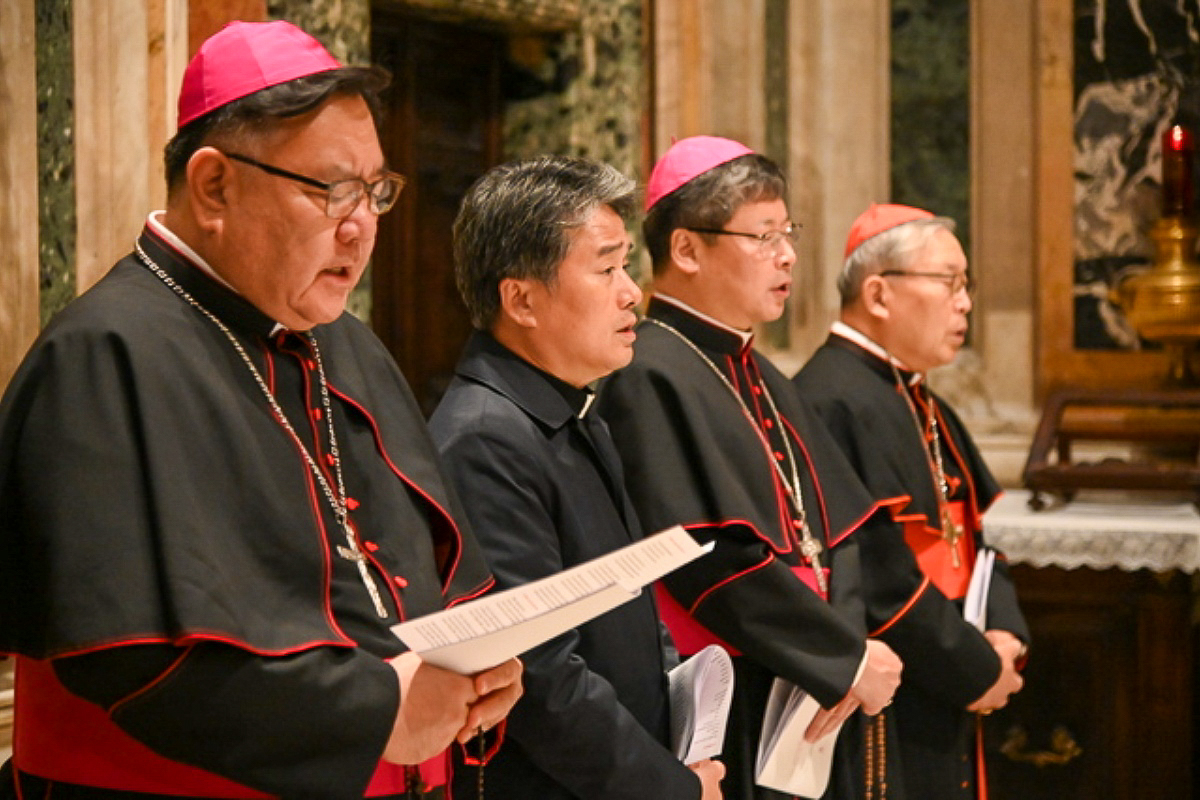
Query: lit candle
1177,152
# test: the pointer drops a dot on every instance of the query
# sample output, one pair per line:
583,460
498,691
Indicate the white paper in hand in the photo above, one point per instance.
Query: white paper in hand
701,692
483,633
786,762
975,604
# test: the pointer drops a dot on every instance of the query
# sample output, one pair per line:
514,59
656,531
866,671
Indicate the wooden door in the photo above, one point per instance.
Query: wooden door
441,130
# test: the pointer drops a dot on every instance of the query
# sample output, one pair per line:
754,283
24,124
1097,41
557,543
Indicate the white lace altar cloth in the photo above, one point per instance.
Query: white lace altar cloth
1145,532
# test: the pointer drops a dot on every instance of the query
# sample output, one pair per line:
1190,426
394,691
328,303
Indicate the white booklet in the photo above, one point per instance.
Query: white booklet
701,692
975,604
786,762
478,635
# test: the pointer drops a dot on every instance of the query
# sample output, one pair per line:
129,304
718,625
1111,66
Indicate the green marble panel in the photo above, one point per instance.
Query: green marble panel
775,36
56,155
594,91
930,127
343,26
592,95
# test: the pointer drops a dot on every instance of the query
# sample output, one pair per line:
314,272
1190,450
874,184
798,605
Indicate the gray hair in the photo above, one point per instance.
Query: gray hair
710,200
895,248
516,222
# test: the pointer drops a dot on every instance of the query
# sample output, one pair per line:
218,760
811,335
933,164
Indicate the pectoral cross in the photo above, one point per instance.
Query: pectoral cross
810,548
352,553
951,532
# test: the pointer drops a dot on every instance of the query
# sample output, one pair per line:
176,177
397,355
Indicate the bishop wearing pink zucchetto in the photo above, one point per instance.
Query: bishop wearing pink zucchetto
217,494
714,438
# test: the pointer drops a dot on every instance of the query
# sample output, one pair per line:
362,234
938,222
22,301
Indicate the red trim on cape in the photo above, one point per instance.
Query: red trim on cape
324,544
479,592
190,638
451,568
704,595
971,509
912,601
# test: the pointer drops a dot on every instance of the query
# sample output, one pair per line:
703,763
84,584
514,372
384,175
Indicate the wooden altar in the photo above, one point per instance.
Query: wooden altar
1111,590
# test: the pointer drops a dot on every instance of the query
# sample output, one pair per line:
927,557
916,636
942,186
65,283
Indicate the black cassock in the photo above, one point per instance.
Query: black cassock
947,662
543,490
695,456
157,519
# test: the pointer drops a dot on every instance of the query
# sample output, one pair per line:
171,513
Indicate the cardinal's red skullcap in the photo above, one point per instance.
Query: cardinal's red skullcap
878,218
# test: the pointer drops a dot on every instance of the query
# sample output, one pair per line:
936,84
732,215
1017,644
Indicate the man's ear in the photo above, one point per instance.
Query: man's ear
684,246
517,301
876,296
210,180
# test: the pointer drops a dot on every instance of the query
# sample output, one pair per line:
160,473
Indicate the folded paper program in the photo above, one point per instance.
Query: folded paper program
483,633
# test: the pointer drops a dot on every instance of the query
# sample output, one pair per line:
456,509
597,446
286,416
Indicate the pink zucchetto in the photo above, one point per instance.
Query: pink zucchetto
687,159
878,218
244,57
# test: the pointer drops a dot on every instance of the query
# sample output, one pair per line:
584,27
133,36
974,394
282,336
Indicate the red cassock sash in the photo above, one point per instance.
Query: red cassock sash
59,736
691,637
935,556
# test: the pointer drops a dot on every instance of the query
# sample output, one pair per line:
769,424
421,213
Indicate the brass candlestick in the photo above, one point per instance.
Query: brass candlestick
1163,304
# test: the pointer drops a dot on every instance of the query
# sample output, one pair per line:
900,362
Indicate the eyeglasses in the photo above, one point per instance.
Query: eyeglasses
955,281
341,197
769,242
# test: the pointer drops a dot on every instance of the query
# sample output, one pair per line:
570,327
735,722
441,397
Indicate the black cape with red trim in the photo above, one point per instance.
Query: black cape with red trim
149,497
692,458
947,663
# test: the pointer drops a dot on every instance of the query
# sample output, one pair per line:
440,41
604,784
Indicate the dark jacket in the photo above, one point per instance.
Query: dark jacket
543,491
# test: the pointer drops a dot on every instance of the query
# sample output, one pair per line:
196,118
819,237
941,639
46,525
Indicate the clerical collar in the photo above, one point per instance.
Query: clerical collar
580,400
155,223
840,328
742,339
487,361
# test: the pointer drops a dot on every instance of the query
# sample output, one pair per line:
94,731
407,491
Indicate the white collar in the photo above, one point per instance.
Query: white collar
587,404
840,328
746,336
155,223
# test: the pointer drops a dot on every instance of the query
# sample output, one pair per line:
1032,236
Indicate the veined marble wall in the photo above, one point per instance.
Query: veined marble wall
931,108
343,26
595,104
55,155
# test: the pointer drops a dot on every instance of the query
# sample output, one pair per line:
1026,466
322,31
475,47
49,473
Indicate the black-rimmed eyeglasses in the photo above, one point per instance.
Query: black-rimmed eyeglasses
343,196
955,281
769,242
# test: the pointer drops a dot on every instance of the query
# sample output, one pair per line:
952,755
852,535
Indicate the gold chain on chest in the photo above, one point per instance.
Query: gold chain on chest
952,531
